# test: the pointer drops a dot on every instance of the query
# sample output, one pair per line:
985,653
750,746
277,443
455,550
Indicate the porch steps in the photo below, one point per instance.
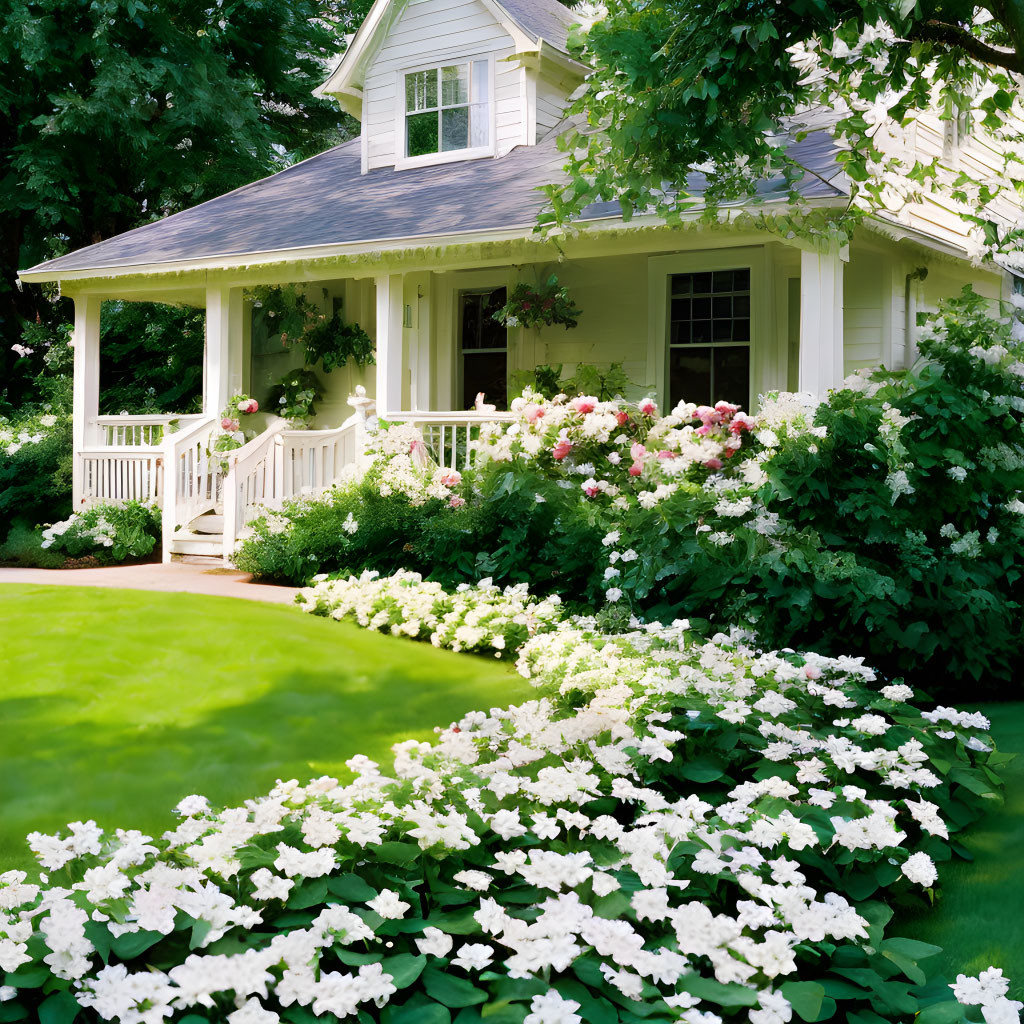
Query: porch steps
204,538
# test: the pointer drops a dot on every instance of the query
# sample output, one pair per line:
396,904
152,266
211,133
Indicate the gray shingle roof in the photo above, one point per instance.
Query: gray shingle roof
326,201
542,19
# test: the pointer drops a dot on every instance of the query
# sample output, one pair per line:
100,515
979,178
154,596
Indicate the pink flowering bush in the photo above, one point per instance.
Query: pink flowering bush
673,831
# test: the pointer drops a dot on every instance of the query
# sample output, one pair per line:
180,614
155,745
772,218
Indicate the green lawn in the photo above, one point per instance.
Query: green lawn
979,919
114,704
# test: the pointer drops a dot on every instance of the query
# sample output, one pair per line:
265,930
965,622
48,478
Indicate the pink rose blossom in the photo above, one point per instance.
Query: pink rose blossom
740,423
452,478
250,405
533,412
666,454
811,672
637,451
713,464
636,469
648,407
561,449
622,417
590,488
584,404
456,502
229,425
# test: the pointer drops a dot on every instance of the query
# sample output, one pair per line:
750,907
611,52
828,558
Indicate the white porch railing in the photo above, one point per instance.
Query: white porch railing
138,431
281,464
125,473
447,435
192,478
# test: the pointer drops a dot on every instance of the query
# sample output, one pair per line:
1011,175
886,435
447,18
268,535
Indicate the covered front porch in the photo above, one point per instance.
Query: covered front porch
734,321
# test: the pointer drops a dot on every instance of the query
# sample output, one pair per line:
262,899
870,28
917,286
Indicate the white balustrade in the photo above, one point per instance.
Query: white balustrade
146,431
449,435
117,474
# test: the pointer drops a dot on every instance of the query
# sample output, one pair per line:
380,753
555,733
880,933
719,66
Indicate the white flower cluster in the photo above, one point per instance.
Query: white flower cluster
401,463
483,617
551,830
100,533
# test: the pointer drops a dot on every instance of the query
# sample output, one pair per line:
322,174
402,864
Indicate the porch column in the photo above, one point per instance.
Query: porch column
821,320
389,343
222,371
86,398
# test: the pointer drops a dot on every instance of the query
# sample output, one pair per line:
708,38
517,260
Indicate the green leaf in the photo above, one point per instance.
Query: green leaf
941,1013
310,894
60,1008
913,948
806,997
199,932
728,996
351,888
450,990
128,946
403,968
397,853
418,1012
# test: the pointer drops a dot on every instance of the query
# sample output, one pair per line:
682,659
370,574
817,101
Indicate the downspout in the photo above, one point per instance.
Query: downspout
910,314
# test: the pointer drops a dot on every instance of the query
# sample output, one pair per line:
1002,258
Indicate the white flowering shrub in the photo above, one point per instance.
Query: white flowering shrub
483,617
108,532
671,831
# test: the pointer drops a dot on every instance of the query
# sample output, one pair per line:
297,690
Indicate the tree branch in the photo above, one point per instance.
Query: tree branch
955,37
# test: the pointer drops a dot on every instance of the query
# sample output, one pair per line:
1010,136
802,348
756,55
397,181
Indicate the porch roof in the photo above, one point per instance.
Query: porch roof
325,201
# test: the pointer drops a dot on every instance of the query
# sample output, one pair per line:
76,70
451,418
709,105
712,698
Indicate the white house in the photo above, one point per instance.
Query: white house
415,228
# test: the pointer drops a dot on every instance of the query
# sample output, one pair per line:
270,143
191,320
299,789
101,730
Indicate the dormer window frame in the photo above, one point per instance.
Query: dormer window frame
401,113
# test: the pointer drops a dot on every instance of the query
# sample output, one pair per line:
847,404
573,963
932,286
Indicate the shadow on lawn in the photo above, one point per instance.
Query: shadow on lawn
304,724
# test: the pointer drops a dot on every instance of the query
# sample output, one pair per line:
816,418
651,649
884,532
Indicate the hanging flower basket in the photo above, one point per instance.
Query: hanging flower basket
541,306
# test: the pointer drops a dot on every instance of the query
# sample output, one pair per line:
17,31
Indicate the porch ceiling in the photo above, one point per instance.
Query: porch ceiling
326,201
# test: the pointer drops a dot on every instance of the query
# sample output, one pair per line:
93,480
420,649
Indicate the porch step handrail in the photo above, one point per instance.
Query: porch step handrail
192,478
283,463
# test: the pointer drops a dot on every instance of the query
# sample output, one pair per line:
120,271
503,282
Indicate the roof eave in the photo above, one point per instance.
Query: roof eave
233,261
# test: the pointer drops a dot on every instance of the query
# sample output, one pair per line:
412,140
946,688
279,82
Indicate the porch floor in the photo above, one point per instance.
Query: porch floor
173,577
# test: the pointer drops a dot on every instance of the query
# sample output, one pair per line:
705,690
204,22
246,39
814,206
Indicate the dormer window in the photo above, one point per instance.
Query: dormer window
447,112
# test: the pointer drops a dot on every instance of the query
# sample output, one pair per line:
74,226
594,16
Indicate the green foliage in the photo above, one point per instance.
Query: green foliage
24,548
543,306
151,357
109,533
35,469
295,395
116,112
699,95
897,534
286,312
605,384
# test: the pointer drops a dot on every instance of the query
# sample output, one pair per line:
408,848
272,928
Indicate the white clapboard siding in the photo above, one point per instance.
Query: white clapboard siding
865,298
438,31
551,103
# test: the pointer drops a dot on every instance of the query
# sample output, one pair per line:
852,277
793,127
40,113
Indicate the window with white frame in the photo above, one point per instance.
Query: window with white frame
709,337
447,109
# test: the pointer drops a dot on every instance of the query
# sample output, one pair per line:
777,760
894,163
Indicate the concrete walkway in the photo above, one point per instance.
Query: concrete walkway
176,577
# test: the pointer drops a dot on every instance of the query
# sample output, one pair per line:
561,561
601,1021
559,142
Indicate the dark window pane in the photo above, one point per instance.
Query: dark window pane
741,330
700,331
454,129
681,309
680,333
723,281
732,376
721,307
702,284
741,305
741,279
701,309
486,372
690,375
421,134
479,328
722,330
682,284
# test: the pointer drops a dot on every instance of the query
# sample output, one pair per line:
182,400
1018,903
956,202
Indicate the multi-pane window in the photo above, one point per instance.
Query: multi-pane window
447,109
483,344
709,337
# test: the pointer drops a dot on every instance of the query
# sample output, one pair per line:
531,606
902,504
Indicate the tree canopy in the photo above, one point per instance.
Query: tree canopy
718,86
115,112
